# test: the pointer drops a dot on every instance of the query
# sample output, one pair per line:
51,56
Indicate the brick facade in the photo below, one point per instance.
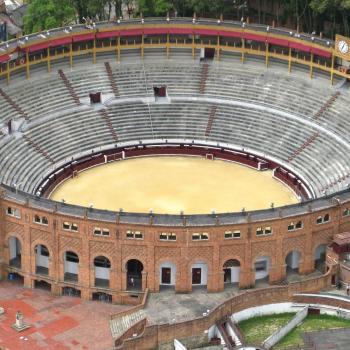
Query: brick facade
152,252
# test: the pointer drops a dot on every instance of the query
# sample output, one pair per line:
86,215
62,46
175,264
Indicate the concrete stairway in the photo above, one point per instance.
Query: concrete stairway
111,79
211,120
307,143
121,324
69,87
228,342
204,77
13,104
38,149
108,121
326,106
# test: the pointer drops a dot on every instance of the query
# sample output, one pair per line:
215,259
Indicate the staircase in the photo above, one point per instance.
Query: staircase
229,343
14,105
121,324
108,122
204,77
240,339
326,106
211,118
307,143
111,79
38,148
69,87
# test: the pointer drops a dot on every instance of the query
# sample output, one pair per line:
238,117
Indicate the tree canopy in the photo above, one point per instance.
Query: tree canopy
329,16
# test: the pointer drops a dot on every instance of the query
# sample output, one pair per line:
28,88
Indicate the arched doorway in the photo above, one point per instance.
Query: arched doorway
15,249
104,297
71,267
134,270
320,257
41,260
102,271
199,274
231,271
262,269
292,262
42,285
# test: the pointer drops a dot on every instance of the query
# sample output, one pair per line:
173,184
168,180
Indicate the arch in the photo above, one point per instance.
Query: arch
71,266
15,252
262,266
320,257
102,271
42,255
100,296
231,269
292,261
134,268
167,273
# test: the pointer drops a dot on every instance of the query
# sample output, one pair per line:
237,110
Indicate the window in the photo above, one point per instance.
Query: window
134,234
70,226
264,231
295,226
72,257
41,220
232,234
323,219
101,232
13,212
346,212
167,236
261,265
200,236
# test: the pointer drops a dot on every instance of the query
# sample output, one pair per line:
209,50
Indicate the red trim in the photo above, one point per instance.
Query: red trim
61,41
206,32
38,47
83,37
4,58
276,41
131,32
321,53
102,35
254,37
299,47
155,31
228,34
184,31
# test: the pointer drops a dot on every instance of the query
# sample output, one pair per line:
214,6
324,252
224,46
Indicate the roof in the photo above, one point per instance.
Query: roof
342,238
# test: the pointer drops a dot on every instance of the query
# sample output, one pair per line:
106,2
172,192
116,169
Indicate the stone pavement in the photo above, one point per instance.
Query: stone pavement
57,323
170,307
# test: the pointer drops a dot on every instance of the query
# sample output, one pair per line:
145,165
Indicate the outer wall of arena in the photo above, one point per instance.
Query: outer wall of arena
182,255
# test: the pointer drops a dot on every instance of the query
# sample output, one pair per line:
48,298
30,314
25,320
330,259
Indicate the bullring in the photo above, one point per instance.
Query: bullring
255,102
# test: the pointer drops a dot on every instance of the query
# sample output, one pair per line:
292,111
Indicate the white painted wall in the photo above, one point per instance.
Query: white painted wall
262,274
269,309
235,273
71,267
102,272
42,260
178,345
12,247
204,272
293,259
172,267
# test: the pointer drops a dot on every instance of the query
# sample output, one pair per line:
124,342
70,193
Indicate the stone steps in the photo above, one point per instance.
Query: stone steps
121,324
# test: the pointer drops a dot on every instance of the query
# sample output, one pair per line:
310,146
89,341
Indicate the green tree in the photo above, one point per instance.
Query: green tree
48,14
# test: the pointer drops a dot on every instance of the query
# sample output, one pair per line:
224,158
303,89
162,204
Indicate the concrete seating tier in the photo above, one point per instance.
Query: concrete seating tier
264,111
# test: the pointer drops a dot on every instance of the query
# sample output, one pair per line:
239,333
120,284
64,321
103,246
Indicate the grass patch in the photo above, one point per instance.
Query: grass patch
311,323
257,329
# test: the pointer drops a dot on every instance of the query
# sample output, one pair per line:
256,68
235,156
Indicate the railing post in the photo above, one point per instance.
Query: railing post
332,69
243,49
311,65
48,60
267,54
8,72
290,60
27,64
71,55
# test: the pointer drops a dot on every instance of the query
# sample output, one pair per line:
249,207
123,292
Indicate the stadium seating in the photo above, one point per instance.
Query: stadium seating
288,118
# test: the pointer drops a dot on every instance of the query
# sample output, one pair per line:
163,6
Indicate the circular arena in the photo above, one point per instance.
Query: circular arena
77,100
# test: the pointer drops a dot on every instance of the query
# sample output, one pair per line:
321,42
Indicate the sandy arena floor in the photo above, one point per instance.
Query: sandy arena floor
171,184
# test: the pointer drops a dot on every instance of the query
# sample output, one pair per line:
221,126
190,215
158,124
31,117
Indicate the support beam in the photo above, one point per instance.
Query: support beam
193,46
243,49
8,72
48,60
312,65
71,55
290,60
267,55
142,46
27,65
167,45
118,48
332,69
94,52
218,48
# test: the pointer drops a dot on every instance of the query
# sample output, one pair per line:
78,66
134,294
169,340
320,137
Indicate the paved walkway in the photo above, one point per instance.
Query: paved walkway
57,323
